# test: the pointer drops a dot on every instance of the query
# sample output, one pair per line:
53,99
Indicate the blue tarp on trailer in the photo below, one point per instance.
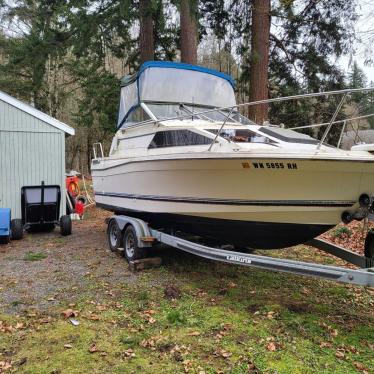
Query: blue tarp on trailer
5,218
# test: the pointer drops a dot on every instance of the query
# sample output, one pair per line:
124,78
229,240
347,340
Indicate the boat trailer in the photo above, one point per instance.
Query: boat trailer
135,238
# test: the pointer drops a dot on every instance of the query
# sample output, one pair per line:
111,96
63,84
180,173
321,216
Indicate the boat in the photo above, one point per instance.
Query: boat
184,158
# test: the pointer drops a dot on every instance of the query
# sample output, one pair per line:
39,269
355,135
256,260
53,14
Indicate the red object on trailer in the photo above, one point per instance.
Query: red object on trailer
79,207
72,185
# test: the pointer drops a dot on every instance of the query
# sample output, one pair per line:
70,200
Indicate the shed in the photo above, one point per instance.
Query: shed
32,150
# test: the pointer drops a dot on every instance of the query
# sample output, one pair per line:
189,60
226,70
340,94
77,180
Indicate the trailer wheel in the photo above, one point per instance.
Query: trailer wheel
369,245
131,250
65,225
114,235
16,229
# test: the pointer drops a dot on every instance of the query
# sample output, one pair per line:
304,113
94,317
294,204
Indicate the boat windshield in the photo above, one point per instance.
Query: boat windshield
164,111
242,136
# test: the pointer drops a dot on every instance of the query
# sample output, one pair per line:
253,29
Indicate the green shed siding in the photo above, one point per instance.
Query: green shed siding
31,151
14,119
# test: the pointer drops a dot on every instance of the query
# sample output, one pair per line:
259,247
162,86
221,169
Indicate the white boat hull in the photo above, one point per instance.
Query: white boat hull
228,198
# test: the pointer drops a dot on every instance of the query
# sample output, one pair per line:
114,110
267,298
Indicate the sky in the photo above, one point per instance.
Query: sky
365,32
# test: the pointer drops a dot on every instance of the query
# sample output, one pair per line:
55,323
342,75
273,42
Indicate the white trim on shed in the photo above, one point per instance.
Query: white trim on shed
36,113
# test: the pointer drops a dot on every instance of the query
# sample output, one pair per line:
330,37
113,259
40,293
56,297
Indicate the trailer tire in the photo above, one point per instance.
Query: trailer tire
65,225
369,245
130,245
16,229
114,235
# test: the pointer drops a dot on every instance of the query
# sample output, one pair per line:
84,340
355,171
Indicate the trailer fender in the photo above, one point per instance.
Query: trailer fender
141,228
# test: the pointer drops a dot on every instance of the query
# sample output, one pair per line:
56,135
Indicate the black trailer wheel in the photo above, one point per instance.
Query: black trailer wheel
130,243
65,225
369,245
114,235
5,239
16,229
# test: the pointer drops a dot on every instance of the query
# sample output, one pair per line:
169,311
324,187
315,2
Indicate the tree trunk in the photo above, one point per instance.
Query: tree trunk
146,37
258,73
188,21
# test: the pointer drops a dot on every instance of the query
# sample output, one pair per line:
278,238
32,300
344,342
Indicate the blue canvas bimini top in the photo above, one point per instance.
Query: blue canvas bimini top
172,82
174,65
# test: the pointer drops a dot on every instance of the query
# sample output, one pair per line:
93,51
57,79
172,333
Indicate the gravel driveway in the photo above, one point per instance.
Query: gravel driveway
59,268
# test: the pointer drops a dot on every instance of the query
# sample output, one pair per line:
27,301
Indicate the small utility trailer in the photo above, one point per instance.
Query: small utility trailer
41,209
135,238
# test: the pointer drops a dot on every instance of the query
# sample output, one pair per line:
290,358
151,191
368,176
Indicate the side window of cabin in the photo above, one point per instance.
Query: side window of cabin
177,138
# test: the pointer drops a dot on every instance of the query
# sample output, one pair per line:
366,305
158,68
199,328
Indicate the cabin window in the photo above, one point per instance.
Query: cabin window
137,115
177,138
288,135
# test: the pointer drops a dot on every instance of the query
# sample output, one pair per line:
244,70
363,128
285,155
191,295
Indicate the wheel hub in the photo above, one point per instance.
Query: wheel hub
130,245
113,235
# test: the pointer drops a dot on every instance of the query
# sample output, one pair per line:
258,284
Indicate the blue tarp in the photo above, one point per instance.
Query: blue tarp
5,218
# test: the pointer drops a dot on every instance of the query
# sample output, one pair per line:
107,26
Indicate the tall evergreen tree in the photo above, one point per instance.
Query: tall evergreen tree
189,37
146,34
363,101
259,60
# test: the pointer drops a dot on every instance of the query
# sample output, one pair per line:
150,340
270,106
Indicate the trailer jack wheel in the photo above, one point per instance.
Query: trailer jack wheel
65,225
130,242
17,229
369,245
114,235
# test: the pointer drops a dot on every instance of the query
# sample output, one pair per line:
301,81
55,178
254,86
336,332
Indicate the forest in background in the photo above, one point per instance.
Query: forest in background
67,57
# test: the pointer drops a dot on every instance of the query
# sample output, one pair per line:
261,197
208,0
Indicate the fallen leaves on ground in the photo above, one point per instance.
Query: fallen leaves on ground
340,354
355,241
325,345
5,365
70,313
147,343
361,367
129,353
194,333
4,327
271,347
223,353
93,348
147,315
172,292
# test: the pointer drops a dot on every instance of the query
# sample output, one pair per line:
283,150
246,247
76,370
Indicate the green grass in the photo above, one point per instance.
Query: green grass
34,256
227,319
342,230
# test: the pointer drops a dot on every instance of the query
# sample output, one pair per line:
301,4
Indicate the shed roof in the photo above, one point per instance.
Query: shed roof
36,113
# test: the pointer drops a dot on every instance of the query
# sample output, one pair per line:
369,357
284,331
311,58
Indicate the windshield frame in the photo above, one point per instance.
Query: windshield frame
188,109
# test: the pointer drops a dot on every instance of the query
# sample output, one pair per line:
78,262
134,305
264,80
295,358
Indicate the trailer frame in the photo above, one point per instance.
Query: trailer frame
146,237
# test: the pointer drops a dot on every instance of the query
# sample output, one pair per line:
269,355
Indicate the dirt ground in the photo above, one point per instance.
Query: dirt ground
189,315
71,264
